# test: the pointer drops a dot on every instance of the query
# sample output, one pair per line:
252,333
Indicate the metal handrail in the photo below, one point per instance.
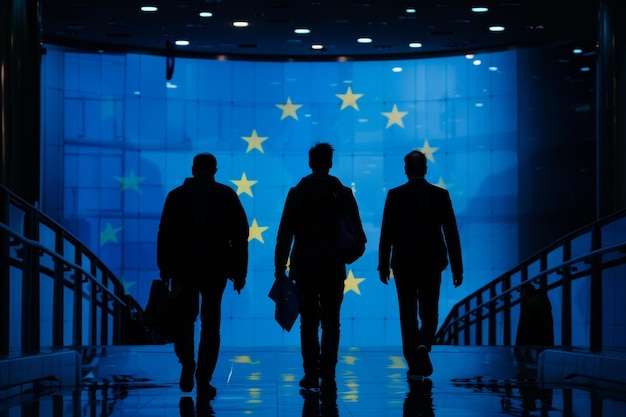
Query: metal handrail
467,317
99,303
68,264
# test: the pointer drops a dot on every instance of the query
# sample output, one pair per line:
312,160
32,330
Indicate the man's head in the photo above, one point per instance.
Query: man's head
415,164
204,164
321,158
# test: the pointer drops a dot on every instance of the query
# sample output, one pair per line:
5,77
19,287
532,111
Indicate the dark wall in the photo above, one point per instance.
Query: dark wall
556,147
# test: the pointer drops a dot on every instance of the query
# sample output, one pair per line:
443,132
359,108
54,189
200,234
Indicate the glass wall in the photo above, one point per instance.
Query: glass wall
118,137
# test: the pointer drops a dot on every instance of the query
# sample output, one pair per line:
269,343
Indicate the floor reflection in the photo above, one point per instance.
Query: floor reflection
467,382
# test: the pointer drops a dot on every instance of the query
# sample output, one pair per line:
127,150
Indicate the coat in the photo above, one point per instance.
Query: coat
419,229
310,221
203,226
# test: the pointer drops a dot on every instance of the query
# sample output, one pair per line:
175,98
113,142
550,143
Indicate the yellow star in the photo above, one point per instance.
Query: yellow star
349,99
428,151
109,234
244,185
352,283
244,359
254,141
288,377
350,360
130,182
396,363
126,285
441,184
254,376
289,109
394,116
256,231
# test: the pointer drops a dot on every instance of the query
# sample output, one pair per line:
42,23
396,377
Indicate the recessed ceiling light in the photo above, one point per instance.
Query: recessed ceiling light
493,68
205,14
149,8
577,51
469,56
302,31
411,10
415,45
396,69
496,28
182,42
240,24
480,9
317,46
364,40
477,62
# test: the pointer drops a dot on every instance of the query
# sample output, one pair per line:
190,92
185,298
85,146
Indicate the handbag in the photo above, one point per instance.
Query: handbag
351,235
160,312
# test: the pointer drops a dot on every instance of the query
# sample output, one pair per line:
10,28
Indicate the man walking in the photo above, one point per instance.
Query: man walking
310,220
418,235
202,242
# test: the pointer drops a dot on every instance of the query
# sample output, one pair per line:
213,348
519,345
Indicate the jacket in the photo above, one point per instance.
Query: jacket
310,221
419,229
203,225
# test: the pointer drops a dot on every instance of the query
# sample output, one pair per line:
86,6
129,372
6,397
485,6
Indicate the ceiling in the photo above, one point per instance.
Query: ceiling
443,27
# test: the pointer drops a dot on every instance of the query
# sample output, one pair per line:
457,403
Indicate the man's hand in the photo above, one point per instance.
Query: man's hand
280,274
457,279
384,276
239,283
165,277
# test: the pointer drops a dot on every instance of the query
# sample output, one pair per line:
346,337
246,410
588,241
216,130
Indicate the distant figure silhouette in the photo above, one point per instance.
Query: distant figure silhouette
202,241
310,220
535,329
416,219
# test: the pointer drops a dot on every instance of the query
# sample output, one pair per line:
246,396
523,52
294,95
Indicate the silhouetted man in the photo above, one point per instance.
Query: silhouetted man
535,329
418,234
202,241
310,220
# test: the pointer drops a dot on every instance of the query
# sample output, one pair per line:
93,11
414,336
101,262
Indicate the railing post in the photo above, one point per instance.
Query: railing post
77,325
566,298
31,321
93,307
506,312
492,316
478,331
58,294
104,316
5,269
595,296
466,324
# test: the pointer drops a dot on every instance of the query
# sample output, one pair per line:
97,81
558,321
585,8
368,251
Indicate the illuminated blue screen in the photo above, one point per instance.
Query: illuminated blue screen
122,137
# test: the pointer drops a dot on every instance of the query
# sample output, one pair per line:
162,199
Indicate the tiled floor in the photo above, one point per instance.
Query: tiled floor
468,381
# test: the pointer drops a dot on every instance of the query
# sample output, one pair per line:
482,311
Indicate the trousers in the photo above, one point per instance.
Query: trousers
320,305
187,308
418,298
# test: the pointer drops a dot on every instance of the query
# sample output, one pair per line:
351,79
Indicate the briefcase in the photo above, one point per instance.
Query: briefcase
160,313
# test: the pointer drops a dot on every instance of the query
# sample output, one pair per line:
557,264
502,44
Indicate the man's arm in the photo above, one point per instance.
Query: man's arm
384,244
166,239
239,243
284,237
453,243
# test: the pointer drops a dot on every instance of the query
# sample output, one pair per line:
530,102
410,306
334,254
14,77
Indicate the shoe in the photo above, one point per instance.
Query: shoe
328,386
310,382
414,375
186,377
426,364
206,391
187,407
